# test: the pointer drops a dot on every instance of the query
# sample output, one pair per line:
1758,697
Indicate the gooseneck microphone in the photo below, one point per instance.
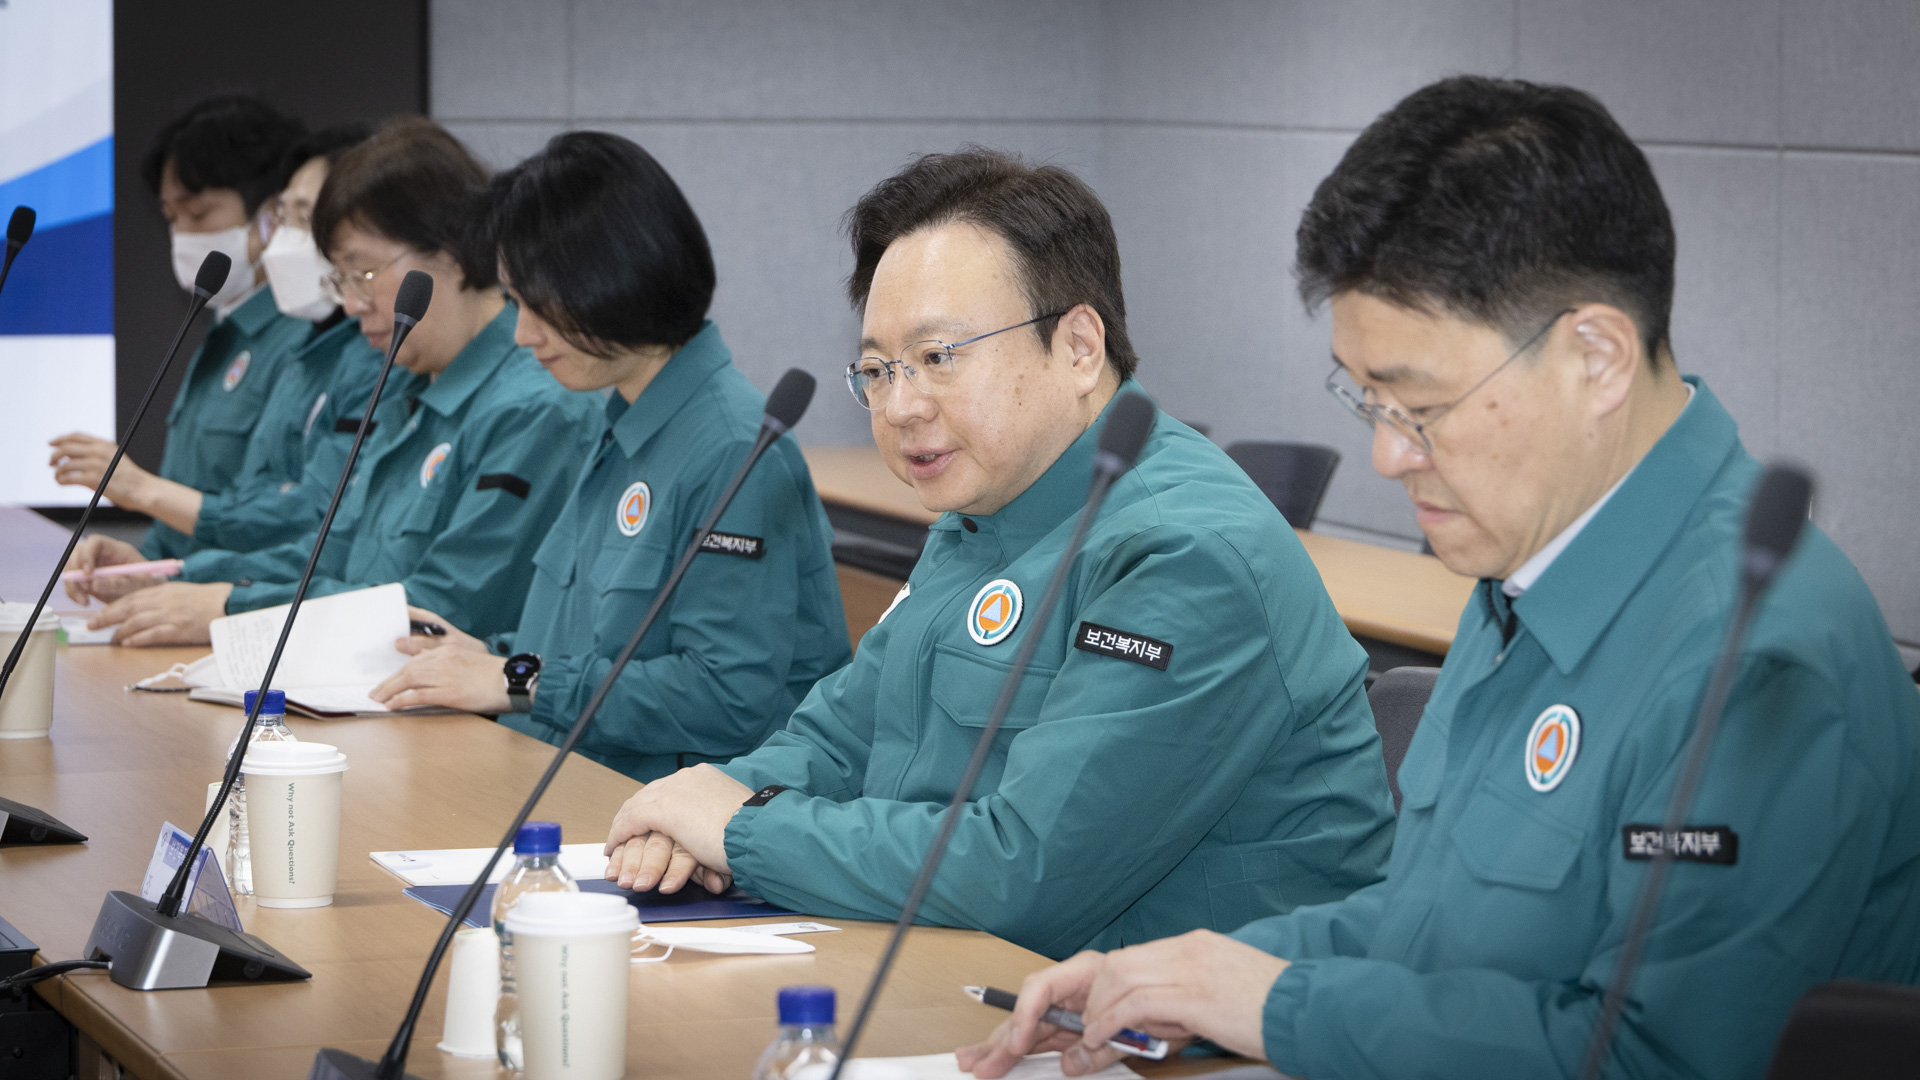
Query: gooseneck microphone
147,944
19,231
785,406
212,275
1129,422
1775,517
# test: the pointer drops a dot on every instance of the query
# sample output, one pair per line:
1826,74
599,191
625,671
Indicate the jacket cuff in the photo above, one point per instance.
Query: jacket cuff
742,858
1285,1000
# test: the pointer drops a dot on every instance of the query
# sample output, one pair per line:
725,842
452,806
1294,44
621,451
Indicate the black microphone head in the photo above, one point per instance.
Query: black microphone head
213,274
789,400
1775,515
416,292
20,226
1129,422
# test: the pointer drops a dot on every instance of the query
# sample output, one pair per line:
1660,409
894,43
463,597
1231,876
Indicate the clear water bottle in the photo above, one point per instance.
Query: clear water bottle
269,726
807,1046
536,868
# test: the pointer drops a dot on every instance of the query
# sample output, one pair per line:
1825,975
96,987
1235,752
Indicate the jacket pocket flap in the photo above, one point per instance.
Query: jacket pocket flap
1504,841
966,687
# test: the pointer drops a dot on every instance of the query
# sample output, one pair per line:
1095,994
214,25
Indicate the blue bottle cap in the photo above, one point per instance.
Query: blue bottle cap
537,838
276,702
806,1006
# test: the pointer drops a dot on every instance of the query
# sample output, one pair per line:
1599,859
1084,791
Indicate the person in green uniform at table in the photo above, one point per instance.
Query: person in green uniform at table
215,170
612,274
1192,745
473,447
267,502
1500,265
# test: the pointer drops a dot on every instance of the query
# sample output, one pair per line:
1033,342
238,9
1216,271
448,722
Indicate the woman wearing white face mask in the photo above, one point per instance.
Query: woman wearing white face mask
297,437
215,169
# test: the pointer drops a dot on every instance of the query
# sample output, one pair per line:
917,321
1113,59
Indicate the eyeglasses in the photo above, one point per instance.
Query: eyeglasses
1373,413
279,214
929,365
356,283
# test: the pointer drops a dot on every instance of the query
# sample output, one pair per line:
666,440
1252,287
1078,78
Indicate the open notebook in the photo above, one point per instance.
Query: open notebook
341,648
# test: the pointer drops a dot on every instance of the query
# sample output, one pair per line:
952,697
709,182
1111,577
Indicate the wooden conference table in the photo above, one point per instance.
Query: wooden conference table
120,763
1399,597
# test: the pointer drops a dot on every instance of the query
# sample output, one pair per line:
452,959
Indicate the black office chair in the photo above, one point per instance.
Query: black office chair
1398,698
1852,1029
1294,475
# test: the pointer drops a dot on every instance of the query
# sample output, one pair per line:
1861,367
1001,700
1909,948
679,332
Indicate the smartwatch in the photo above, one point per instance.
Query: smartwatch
522,671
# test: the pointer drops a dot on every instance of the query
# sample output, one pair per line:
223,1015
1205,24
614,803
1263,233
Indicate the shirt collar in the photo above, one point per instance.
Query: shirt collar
329,338
685,372
1049,500
252,311
1577,596
1522,579
474,365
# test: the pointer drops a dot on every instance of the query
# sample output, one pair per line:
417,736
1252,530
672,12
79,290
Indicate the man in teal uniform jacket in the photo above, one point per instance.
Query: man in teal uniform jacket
1192,745
1500,265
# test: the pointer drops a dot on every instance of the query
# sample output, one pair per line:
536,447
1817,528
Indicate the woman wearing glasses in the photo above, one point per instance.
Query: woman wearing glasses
473,447
612,274
266,503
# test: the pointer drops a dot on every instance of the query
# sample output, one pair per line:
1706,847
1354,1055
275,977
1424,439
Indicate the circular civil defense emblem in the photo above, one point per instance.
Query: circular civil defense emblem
434,457
995,611
1551,747
236,370
631,513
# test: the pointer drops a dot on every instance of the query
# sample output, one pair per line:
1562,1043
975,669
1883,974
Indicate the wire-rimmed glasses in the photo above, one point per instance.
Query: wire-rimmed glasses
928,364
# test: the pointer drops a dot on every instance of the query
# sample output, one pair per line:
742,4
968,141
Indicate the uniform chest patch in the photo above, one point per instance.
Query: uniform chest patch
1551,747
432,464
630,514
314,414
995,611
1123,645
1688,843
236,370
747,547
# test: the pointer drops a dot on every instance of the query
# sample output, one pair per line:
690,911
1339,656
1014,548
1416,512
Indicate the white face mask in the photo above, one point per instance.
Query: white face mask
191,249
294,269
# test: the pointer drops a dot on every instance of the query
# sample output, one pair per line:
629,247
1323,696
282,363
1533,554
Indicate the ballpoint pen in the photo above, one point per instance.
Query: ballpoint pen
1125,1040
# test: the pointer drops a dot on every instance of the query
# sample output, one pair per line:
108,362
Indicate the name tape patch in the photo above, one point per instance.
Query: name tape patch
747,547
1689,843
350,425
504,481
1122,645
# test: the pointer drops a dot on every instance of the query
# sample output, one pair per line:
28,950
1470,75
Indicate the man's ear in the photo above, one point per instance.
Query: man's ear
1607,341
1081,339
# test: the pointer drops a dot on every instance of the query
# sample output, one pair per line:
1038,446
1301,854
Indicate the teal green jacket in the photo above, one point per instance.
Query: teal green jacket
1192,746
755,623
455,487
268,503
220,401
1487,950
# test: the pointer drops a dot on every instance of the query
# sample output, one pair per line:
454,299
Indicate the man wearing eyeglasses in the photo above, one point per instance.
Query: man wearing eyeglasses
1499,261
1193,742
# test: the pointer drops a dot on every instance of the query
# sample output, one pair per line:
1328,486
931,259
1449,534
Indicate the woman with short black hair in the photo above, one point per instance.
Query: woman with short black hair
613,276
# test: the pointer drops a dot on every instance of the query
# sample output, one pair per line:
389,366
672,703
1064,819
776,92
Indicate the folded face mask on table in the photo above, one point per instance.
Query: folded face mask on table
729,941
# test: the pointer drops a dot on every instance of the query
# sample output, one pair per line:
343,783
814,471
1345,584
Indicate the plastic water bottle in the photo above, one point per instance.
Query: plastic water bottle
269,726
536,868
807,1046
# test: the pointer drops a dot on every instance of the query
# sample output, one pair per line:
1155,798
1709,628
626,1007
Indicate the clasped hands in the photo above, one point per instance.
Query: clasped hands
674,830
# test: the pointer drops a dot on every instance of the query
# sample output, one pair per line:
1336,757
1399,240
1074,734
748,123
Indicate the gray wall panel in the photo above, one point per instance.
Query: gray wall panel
1205,125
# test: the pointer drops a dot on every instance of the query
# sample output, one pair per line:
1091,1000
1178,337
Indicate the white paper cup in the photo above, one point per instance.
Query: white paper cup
570,971
293,821
473,993
26,707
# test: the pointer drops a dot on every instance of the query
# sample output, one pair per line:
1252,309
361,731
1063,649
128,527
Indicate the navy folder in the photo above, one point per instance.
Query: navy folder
691,904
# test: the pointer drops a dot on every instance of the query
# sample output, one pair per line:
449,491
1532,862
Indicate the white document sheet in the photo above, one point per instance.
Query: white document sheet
944,1067
456,866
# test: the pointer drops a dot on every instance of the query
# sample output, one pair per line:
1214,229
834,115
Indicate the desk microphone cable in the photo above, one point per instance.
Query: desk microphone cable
15,983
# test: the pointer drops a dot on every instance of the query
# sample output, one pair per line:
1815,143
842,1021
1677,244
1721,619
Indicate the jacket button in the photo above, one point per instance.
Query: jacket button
967,524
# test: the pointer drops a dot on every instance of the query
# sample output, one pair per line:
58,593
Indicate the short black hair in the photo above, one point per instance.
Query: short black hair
1061,235
329,142
1499,201
413,183
600,242
232,141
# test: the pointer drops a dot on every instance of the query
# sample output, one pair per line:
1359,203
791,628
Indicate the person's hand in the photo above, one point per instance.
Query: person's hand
692,807
80,460
176,613
655,857
449,676
96,551
1200,983
1024,1033
454,638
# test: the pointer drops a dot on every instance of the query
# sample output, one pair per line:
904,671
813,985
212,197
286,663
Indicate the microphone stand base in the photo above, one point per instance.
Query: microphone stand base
23,824
331,1064
150,951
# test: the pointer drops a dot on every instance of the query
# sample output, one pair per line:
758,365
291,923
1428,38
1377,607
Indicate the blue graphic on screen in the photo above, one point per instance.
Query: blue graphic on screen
63,280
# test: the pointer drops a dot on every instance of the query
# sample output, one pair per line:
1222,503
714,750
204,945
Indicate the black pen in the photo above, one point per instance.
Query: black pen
422,628
1126,1040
